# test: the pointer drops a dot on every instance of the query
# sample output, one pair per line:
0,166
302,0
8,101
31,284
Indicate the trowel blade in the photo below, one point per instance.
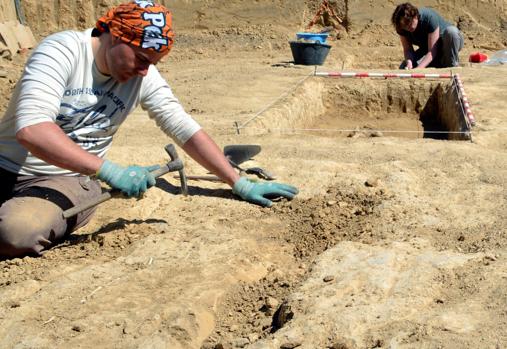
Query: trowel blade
239,153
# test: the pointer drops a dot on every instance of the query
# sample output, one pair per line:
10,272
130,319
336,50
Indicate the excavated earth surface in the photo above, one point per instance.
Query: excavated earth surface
394,241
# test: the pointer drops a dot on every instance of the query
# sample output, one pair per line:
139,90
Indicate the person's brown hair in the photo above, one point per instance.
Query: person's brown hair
403,14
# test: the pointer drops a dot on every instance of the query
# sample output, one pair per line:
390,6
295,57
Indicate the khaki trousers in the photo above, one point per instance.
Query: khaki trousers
31,210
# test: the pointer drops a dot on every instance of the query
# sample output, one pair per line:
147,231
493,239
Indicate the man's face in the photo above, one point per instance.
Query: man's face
409,24
126,61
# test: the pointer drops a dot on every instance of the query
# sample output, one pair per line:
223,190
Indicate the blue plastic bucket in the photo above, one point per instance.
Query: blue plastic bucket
309,53
316,37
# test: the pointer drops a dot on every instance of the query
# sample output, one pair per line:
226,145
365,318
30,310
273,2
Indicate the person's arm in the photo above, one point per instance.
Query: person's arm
48,142
205,151
432,48
408,52
41,89
167,111
162,106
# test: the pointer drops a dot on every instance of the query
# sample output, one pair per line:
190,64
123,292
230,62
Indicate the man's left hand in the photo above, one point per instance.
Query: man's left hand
260,193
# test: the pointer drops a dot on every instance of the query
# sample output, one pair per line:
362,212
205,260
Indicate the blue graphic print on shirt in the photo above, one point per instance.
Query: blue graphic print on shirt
95,121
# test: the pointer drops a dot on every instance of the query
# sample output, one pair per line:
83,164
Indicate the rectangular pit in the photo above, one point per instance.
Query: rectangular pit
408,108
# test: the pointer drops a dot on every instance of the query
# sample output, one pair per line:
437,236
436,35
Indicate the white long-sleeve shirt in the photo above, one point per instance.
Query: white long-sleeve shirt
61,84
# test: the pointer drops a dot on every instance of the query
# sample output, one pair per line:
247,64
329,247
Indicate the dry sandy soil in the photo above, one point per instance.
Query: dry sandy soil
396,240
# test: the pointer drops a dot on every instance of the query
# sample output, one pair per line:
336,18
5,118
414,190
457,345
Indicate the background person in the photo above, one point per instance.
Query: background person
76,90
438,41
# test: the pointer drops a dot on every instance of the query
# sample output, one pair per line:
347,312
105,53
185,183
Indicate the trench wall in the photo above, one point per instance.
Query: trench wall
7,11
298,110
46,16
378,95
344,98
452,116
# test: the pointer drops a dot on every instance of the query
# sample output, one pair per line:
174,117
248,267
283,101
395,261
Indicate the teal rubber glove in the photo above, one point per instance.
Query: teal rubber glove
260,192
131,181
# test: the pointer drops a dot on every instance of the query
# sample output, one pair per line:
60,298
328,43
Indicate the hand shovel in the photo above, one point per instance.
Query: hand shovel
240,153
237,154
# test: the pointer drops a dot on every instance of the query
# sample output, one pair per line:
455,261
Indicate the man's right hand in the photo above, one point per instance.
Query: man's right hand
408,64
131,181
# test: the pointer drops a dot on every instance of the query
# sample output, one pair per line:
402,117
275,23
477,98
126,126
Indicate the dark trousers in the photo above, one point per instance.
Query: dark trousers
448,47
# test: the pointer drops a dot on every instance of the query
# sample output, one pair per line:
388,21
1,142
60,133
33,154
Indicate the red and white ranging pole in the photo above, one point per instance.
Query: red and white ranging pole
383,75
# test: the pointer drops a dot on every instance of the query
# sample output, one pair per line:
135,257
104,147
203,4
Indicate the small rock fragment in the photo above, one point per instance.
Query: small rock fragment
290,345
328,278
372,182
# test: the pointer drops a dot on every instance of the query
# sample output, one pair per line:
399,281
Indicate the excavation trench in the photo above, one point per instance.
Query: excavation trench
252,311
416,108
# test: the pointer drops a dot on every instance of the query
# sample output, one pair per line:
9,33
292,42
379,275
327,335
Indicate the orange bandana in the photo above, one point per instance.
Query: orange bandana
141,23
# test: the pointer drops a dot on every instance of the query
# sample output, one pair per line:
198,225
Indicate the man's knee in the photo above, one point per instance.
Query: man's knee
451,30
27,231
452,34
20,237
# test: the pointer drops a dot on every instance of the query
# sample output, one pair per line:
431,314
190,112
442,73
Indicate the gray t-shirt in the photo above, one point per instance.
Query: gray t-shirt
429,21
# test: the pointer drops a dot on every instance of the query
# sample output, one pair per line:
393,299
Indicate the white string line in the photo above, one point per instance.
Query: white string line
367,130
274,102
244,125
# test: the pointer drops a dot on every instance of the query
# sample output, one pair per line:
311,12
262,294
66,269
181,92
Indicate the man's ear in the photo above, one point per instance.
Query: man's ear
164,58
